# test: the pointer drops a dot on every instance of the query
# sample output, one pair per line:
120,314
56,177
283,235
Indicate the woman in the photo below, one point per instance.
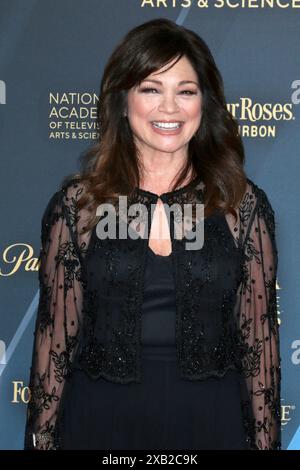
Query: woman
146,341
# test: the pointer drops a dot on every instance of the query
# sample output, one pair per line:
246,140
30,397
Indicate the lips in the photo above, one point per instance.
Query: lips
168,130
167,122
167,125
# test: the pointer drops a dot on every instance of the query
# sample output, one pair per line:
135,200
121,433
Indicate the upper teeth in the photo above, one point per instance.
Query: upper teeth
167,125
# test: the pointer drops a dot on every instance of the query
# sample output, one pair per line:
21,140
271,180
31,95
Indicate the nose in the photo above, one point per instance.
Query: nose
168,103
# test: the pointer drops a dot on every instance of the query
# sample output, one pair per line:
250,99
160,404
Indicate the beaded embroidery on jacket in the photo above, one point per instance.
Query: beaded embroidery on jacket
91,293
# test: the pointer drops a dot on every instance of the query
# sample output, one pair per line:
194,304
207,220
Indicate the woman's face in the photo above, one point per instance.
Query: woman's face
169,100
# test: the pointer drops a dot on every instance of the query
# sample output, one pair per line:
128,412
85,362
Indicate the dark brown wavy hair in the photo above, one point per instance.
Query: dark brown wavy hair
111,166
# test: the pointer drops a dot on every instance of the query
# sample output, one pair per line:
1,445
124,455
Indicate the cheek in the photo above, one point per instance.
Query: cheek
140,106
195,110
192,109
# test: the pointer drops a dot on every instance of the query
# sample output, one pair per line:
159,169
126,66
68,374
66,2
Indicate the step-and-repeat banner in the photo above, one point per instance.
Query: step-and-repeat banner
52,55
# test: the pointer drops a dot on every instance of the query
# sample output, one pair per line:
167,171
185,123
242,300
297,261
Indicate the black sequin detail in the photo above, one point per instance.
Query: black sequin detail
91,293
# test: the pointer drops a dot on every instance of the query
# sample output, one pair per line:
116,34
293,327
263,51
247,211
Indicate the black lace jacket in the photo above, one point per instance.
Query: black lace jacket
91,291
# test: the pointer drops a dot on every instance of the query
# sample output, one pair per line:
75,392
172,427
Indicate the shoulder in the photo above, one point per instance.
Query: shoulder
256,197
63,201
68,192
71,189
61,212
255,205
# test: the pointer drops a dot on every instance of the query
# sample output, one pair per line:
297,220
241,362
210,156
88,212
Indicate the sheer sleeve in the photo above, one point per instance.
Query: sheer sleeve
57,323
257,318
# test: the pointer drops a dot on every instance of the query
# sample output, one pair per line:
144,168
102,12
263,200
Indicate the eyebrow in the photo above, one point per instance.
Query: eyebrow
183,82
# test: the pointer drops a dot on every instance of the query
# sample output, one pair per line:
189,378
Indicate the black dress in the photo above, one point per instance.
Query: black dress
134,350
164,411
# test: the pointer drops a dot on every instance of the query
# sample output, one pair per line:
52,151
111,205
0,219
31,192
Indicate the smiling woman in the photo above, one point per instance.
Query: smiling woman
141,342
172,110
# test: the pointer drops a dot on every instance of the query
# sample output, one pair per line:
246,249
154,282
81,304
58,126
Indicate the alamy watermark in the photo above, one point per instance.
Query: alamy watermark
132,221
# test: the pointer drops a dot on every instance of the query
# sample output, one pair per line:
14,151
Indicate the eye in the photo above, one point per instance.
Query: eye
189,91
146,90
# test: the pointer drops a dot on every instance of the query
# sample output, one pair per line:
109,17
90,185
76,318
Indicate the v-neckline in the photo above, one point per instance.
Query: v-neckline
164,197
157,254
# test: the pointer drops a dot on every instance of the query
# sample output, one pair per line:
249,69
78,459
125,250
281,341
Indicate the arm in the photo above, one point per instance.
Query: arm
258,323
57,324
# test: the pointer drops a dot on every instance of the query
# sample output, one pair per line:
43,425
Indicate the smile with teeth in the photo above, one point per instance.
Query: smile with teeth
166,125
